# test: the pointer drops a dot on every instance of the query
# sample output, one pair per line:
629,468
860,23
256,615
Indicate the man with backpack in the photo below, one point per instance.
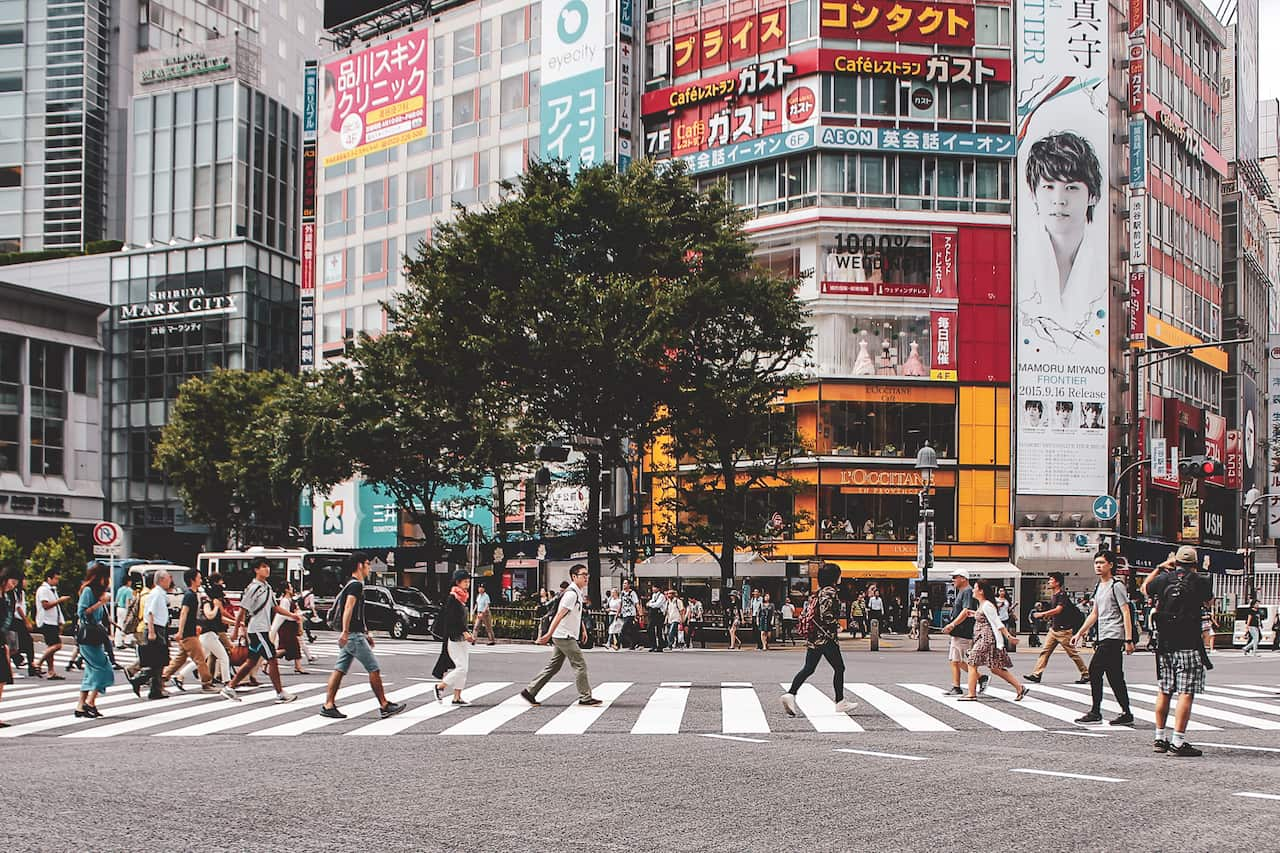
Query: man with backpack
1115,617
1065,619
960,629
257,608
1181,661
355,643
820,627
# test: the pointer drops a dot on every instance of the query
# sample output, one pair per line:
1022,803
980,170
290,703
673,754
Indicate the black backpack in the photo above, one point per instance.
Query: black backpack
1178,616
1071,614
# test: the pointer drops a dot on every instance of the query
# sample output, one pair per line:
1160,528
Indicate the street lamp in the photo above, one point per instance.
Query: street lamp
926,464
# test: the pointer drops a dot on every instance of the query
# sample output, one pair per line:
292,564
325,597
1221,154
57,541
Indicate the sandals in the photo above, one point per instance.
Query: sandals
967,699
1022,693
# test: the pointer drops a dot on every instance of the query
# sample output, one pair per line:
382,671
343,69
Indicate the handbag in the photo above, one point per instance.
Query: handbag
239,654
615,627
89,633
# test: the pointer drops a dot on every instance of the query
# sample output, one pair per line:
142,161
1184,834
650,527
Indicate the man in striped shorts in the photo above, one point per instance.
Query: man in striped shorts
1180,656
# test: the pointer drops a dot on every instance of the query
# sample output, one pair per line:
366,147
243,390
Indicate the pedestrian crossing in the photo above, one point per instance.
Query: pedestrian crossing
733,709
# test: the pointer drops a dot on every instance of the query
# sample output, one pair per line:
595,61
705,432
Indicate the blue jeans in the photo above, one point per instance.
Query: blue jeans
1251,644
356,649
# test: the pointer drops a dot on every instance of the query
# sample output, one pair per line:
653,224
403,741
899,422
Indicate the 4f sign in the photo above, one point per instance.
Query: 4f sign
108,539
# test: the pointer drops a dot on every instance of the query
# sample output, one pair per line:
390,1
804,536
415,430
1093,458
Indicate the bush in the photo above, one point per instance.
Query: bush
101,247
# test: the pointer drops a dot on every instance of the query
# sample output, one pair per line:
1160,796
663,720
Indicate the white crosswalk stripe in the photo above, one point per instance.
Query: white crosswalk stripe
729,709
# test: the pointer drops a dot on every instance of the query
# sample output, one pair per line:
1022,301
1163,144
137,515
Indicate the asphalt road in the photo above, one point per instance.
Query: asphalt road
788,787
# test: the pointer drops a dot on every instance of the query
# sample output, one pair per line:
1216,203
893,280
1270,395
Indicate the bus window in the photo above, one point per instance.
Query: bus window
326,573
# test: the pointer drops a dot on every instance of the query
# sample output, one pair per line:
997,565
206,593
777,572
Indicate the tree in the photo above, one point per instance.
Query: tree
217,450
63,553
10,556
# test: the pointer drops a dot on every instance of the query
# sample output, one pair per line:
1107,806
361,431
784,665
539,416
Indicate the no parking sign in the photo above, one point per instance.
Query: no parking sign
108,540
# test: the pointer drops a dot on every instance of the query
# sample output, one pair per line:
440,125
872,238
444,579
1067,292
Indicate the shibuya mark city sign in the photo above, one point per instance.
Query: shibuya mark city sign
183,303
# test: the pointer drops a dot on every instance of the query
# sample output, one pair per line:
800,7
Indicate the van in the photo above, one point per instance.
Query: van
143,576
1239,635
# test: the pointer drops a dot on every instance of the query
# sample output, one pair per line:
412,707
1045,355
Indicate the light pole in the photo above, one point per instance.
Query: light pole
1252,498
926,464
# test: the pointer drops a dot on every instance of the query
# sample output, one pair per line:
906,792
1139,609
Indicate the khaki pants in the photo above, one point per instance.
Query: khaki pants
565,648
1052,641
483,619
189,648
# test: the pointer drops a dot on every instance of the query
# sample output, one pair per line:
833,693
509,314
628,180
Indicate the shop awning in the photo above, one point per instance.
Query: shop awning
942,570
746,565
872,569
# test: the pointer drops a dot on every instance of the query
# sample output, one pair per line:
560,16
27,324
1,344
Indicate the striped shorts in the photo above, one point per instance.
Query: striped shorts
1180,671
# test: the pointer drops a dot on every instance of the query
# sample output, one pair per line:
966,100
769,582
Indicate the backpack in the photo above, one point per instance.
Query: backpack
1071,615
1128,605
1178,616
335,612
131,616
808,618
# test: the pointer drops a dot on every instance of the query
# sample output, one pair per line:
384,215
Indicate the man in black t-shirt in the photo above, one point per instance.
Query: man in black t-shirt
355,644
1180,657
188,643
961,630
1064,621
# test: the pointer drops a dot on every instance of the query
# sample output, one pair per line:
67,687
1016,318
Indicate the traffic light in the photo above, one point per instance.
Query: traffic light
1199,467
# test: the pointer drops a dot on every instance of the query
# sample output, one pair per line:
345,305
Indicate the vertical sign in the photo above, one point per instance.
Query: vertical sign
1215,444
1062,255
1247,82
1137,227
310,99
1138,153
942,245
308,258
1272,438
573,47
626,19
1190,519
626,88
1235,459
1137,78
1137,18
1159,458
1138,307
1138,513
309,180
942,355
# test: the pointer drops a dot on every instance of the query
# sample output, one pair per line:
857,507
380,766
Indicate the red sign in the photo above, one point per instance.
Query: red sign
942,279
943,362
897,21
741,38
1137,80
309,180
1137,16
800,105
1139,512
1235,459
1215,444
1138,306
308,257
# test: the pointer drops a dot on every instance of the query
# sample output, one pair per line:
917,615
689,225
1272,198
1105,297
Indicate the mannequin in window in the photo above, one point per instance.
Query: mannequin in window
863,366
887,364
913,366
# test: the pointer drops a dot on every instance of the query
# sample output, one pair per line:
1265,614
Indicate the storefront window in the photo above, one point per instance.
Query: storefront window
881,513
876,428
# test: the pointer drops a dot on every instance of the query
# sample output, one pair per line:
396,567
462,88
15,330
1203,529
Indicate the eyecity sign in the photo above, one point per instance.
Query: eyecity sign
185,302
185,65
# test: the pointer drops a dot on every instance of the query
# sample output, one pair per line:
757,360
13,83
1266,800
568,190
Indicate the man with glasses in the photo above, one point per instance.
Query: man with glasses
565,633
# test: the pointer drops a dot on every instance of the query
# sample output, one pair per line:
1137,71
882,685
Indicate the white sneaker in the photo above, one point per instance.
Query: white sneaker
230,694
844,706
789,704
282,698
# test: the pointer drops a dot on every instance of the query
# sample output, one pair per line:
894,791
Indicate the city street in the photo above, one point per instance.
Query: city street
691,750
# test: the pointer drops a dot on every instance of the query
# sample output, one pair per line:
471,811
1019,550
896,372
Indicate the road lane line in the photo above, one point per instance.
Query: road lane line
735,737
315,721
985,714
1031,703
664,711
1254,795
1067,775
133,725
576,719
821,711
1213,713
740,710
427,711
1240,746
901,712
884,754
487,721
256,715
1146,715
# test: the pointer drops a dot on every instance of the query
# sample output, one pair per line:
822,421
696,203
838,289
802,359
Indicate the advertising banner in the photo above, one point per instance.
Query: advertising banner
354,514
1190,520
308,257
1137,18
943,277
1215,444
1062,260
1234,460
574,37
898,21
1137,227
934,142
748,152
898,265
375,99
1137,307
1272,437
1138,153
1159,459
1246,95
1137,78
943,364
626,88
307,328
309,174
310,99
716,46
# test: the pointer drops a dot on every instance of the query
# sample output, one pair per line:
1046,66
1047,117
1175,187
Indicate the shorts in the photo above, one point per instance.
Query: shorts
52,636
958,651
6,669
1180,671
357,648
261,647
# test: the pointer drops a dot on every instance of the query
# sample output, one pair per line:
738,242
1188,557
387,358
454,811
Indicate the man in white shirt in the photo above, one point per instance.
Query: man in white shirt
483,616
153,654
49,620
564,633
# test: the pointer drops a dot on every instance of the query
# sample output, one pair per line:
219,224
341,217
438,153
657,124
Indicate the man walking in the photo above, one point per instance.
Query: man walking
188,643
1180,656
257,607
355,643
628,611
153,655
1065,619
657,618
1116,636
564,634
49,620
960,629
483,616
124,595
822,642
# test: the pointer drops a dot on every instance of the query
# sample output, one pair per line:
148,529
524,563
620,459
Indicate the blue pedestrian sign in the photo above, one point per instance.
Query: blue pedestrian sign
1105,508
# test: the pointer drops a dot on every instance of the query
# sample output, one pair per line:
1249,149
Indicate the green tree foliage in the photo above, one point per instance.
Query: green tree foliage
11,556
61,552
218,449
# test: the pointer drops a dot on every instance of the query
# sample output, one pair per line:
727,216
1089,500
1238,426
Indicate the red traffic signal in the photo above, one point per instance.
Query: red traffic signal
1199,467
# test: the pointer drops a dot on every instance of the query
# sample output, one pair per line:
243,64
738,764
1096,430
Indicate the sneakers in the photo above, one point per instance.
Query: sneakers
844,706
1123,720
1092,717
230,693
1084,679
1032,677
789,704
391,709
590,702
178,683
1160,745
285,698
953,691
332,712
529,697
209,689
1186,750
982,683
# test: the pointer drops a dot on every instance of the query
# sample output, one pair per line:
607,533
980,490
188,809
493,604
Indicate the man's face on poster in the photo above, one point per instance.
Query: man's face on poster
1092,417
1063,207
1062,415
1035,416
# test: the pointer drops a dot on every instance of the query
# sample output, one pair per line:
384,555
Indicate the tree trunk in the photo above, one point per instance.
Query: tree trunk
728,524
593,527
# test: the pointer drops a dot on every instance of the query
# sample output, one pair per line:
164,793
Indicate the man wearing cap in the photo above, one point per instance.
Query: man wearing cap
1064,615
961,630
1181,661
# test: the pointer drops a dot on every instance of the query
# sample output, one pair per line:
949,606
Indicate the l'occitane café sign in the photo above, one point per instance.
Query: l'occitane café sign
864,481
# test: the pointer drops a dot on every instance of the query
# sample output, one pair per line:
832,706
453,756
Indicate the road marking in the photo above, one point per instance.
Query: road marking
1215,713
821,711
315,721
903,713
486,721
884,754
69,703
1247,694
427,711
1078,733
256,715
1240,746
133,725
1268,691
1237,702
740,710
45,695
736,684
664,711
1031,703
1146,715
735,737
576,719
1254,795
142,706
998,720
1067,775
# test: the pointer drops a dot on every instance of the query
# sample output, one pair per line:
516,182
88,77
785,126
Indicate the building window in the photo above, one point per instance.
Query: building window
464,52
464,115
10,176
512,36
10,82
48,407
8,442
10,34
10,374
512,101
380,203
84,372
331,327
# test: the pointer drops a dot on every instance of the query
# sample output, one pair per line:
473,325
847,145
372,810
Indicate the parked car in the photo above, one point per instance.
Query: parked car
398,610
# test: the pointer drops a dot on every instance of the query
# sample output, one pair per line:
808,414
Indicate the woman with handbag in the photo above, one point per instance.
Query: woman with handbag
989,638
451,667
92,637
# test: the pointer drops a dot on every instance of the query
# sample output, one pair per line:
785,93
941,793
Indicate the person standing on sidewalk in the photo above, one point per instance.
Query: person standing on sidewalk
7,584
92,610
153,654
455,649
821,641
355,643
629,611
675,619
960,629
1065,621
564,634
483,616
257,607
1116,636
693,623
1180,657
124,595
189,647
875,610
49,620
657,608
21,626
764,622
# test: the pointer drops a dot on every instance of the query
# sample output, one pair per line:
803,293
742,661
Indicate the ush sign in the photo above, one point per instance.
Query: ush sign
185,302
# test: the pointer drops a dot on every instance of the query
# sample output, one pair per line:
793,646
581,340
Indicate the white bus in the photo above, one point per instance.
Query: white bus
322,572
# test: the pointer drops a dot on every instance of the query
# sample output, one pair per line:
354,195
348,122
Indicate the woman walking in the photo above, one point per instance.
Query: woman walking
989,638
291,630
93,637
733,618
614,605
7,584
821,641
765,622
451,667
211,625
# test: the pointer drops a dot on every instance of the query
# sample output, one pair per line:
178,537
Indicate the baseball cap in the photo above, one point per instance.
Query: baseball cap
960,573
1186,556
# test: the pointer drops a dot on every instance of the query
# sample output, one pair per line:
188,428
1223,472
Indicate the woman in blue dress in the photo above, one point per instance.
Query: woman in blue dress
94,604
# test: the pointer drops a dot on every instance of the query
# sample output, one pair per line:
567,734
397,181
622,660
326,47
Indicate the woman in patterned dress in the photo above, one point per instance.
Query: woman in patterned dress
989,638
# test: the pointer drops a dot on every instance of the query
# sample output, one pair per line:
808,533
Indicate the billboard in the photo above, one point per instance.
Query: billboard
374,99
573,47
1272,438
354,514
897,21
1246,93
1062,254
